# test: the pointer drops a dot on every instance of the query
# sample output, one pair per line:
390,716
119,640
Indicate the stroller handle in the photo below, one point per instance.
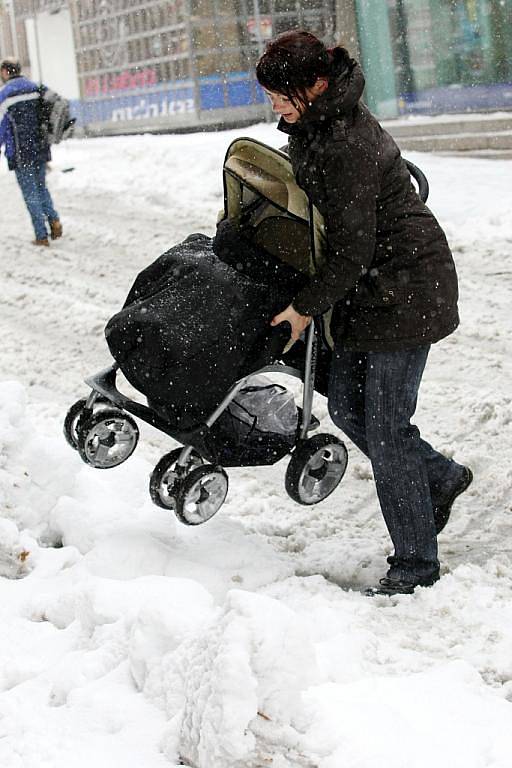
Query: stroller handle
420,179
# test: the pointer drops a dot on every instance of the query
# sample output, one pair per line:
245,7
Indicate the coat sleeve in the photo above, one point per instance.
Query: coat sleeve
3,120
351,179
3,130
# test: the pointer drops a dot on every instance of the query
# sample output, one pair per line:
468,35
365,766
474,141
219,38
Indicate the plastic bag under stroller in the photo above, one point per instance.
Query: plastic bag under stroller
258,427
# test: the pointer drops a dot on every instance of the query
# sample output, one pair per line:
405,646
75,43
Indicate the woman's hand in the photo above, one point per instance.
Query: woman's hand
297,322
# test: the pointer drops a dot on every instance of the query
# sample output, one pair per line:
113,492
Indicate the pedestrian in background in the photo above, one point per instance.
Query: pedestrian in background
26,150
389,277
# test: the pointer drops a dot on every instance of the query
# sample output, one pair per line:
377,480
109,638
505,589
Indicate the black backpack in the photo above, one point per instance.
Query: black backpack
55,118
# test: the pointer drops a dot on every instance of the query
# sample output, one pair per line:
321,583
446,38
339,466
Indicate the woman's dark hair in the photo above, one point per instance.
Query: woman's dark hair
292,62
12,67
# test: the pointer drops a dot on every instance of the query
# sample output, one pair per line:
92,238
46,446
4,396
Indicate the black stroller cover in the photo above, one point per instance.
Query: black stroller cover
192,325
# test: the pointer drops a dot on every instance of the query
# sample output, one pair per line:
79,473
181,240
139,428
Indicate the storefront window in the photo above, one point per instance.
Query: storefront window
457,48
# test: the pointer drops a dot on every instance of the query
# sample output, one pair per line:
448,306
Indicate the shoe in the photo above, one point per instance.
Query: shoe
442,511
392,587
55,229
41,241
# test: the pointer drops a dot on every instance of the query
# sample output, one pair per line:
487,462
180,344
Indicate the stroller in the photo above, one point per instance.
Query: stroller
260,195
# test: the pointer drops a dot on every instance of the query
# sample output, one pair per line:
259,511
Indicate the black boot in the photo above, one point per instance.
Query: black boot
442,511
390,587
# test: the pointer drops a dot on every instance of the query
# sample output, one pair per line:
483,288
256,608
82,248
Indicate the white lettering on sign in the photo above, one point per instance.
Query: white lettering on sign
144,110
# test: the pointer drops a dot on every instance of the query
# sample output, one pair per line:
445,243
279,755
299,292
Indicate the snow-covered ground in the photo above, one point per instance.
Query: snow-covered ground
139,642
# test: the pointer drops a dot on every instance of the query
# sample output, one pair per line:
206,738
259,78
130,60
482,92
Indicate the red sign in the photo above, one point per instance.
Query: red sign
124,81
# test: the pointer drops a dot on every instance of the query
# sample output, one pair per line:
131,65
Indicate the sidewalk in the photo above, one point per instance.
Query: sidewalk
489,134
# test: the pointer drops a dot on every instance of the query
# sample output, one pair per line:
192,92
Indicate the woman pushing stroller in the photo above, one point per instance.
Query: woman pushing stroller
390,279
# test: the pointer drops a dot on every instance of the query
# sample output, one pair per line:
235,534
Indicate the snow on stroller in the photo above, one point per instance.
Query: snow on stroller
252,421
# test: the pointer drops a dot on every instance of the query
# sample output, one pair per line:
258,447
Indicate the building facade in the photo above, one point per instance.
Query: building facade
189,62
137,65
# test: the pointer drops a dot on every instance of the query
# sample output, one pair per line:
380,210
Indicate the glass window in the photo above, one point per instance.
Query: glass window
450,42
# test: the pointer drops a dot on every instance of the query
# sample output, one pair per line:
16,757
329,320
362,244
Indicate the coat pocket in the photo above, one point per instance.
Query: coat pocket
377,291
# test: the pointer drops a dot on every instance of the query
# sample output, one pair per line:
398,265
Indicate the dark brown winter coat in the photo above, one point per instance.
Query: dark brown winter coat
389,273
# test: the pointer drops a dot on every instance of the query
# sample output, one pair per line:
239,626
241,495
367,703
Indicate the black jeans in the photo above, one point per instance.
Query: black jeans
372,397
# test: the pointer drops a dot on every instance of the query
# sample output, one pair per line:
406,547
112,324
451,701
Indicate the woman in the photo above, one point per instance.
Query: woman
390,278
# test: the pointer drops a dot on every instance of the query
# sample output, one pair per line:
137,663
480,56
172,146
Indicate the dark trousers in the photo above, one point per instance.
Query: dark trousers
372,397
32,182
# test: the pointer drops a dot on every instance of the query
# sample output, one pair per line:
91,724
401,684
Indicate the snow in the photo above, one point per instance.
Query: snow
130,639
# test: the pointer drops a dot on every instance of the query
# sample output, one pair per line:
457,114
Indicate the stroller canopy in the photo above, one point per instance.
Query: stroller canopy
260,191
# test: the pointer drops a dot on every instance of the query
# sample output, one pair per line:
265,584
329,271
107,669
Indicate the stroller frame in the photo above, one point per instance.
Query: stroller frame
103,386
101,426
86,420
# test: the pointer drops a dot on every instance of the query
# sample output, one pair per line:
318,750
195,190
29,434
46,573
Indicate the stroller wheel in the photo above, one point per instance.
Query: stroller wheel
72,419
201,494
316,468
164,480
107,438
71,422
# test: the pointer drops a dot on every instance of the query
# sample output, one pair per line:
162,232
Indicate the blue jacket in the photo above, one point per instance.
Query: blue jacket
19,124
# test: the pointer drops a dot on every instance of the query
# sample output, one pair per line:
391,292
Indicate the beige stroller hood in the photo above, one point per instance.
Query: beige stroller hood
288,225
